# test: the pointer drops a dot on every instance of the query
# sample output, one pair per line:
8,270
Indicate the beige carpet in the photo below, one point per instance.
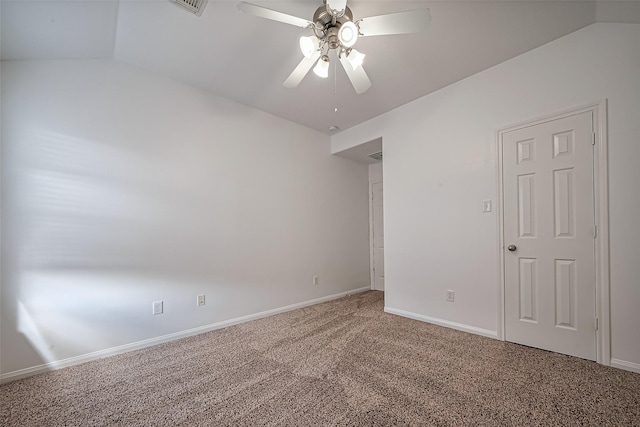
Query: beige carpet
340,363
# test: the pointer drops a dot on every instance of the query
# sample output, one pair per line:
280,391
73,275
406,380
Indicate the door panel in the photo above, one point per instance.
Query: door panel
549,218
528,289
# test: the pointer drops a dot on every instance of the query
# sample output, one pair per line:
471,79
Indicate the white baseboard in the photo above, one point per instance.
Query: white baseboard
442,322
627,366
76,360
616,363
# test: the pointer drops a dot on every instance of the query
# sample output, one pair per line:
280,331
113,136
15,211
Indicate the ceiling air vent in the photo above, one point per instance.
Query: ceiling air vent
376,156
194,6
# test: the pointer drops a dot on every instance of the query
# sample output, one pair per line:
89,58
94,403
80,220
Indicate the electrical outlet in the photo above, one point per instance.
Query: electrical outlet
200,300
316,280
450,295
157,307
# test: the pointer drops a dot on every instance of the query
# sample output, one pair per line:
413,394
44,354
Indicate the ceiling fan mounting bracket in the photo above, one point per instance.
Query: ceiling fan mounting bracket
323,16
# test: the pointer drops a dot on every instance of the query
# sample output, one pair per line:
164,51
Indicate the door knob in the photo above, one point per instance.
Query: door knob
512,247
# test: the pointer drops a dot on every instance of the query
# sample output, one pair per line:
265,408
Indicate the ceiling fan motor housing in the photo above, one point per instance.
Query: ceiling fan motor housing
328,25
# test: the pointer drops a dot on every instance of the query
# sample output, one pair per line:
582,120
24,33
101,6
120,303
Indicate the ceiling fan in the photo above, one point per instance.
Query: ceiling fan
334,29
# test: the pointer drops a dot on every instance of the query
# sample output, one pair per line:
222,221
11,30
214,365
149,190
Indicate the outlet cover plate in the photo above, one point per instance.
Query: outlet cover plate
157,307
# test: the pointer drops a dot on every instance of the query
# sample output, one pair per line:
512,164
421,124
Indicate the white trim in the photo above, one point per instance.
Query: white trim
2,243
601,202
442,322
500,218
373,180
627,366
372,274
76,360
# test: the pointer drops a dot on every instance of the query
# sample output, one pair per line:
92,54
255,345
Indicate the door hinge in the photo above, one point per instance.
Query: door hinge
597,322
593,138
595,231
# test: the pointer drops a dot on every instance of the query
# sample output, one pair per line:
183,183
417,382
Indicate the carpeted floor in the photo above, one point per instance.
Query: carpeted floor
344,362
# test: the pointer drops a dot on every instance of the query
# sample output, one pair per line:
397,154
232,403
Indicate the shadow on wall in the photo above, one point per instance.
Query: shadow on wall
93,233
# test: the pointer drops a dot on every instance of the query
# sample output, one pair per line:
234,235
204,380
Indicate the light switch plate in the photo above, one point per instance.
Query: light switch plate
486,206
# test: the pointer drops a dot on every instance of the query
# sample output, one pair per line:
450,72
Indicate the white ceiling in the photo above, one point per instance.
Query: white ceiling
246,59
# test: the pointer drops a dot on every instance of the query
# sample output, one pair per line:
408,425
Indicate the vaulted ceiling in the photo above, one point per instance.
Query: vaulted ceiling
245,58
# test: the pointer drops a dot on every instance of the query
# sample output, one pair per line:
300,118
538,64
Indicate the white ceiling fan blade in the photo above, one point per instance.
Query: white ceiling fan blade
411,21
358,77
301,70
274,15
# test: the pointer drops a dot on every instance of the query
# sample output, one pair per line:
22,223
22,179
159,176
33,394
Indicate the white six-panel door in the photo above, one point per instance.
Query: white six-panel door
549,259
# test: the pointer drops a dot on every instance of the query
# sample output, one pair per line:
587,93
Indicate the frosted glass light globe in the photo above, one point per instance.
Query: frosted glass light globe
348,34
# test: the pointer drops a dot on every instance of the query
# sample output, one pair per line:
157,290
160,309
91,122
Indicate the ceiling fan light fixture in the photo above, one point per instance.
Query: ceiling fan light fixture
308,45
335,29
322,67
348,34
355,58
337,5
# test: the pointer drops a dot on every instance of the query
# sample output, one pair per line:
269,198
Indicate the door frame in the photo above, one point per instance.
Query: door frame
373,180
601,206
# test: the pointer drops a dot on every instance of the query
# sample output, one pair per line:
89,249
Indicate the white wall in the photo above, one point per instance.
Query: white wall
440,163
120,188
